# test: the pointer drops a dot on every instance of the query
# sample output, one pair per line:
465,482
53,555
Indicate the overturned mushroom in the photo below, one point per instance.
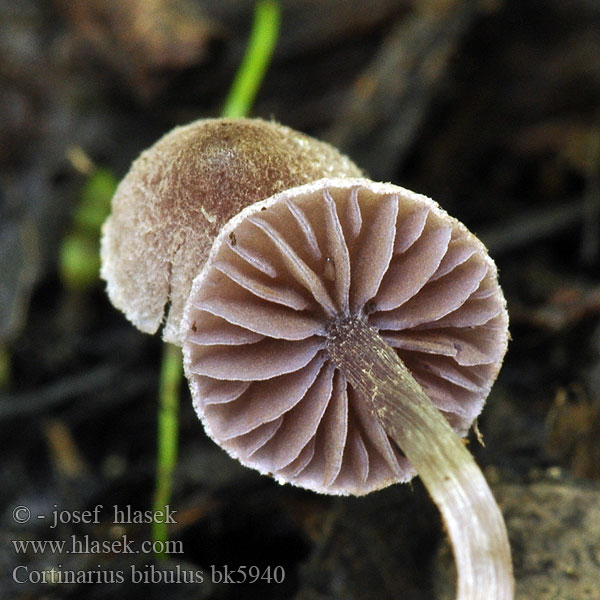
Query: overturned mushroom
327,328
288,278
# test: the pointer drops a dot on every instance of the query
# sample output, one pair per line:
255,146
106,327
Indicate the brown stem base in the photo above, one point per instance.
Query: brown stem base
447,469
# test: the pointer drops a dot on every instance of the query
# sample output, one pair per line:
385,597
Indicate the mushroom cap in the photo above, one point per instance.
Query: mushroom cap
257,319
181,191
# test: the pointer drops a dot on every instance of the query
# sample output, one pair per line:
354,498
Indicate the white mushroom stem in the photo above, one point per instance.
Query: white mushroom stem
447,469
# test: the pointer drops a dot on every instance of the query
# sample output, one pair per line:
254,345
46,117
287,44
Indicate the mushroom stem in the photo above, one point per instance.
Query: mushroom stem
447,469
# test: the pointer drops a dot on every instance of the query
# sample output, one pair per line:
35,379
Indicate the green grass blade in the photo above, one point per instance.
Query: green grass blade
263,38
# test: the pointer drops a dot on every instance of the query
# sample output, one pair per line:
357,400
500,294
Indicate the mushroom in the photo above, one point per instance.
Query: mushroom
180,192
339,334
292,283
331,327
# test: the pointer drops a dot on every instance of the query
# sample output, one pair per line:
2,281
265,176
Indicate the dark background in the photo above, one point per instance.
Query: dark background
492,107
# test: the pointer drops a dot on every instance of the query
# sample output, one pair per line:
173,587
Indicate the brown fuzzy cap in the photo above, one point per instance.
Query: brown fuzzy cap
181,191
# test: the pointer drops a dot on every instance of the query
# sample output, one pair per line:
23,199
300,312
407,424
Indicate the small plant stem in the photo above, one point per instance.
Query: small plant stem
447,469
168,429
259,51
